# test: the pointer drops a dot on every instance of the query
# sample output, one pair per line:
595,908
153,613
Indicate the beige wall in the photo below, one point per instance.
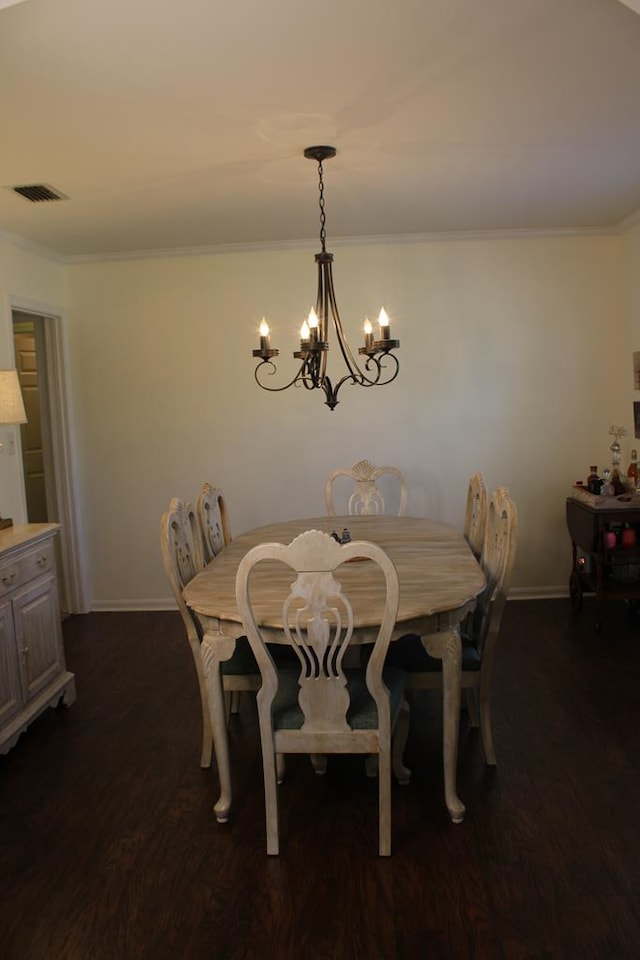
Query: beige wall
514,361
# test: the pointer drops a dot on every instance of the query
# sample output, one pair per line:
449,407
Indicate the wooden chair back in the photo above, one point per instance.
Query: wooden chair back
214,521
366,498
475,518
181,553
498,558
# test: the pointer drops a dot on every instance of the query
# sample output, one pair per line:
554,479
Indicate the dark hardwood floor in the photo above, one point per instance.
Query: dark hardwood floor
110,850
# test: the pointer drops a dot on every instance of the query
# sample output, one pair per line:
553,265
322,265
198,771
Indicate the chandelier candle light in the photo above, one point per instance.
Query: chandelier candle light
314,333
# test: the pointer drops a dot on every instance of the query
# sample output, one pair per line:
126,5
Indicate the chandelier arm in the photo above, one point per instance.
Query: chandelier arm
356,373
321,311
366,381
381,365
300,375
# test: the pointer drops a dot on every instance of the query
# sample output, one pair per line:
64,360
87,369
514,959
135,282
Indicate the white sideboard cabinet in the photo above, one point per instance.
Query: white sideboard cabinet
32,668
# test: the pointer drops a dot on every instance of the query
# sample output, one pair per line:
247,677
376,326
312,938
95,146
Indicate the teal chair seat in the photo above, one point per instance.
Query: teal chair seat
408,654
243,660
362,713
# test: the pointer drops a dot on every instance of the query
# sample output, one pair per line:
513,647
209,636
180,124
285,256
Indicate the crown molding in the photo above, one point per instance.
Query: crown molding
632,4
629,222
17,240
275,245
388,239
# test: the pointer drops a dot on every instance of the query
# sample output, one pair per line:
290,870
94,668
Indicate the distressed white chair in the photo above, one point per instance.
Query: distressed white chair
182,556
319,707
214,521
475,518
366,498
480,639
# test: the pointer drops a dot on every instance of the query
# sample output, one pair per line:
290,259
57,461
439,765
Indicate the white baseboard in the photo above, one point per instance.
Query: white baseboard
538,593
135,606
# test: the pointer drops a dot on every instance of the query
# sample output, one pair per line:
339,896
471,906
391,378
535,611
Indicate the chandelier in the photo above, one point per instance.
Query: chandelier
378,365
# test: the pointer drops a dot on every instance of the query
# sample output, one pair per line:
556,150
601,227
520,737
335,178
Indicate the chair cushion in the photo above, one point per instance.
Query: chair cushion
362,713
408,654
243,661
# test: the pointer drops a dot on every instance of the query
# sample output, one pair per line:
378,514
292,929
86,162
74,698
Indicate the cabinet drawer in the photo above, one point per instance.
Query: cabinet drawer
29,565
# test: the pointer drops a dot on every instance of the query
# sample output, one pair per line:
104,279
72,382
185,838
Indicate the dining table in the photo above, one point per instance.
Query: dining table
439,579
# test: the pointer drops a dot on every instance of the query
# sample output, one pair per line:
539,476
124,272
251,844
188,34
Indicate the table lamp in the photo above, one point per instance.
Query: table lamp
11,411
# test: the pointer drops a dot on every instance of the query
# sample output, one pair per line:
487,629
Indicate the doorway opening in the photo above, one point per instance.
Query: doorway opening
35,434
45,446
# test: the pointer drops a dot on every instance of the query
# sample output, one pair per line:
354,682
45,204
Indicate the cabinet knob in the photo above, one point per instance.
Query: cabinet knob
42,561
25,654
9,577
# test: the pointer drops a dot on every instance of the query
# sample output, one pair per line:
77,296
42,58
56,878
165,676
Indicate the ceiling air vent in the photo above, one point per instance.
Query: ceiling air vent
39,192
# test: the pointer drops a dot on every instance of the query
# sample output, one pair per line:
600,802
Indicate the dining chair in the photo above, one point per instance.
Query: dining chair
320,706
366,497
212,514
480,633
180,542
215,534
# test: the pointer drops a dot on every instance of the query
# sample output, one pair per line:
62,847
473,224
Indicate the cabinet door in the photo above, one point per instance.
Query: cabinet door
10,694
38,634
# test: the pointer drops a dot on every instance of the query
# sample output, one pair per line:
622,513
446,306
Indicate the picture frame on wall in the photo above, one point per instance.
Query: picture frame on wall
636,418
636,370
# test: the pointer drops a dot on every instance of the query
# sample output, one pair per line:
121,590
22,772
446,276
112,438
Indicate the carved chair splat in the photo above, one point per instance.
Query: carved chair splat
366,498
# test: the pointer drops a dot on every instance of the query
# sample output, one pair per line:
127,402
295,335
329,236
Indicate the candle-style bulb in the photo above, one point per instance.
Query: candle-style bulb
368,338
313,319
383,320
304,330
265,339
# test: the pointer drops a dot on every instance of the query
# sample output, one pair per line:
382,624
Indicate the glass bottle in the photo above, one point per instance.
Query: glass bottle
632,472
617,485
593,481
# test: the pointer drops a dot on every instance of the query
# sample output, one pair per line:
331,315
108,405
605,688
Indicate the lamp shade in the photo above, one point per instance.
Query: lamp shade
11,403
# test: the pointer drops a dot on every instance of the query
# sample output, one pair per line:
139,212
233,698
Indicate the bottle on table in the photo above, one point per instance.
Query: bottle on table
632,472
606,487
593,481
617,485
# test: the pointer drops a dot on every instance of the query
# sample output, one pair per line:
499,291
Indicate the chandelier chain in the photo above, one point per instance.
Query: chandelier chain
323,216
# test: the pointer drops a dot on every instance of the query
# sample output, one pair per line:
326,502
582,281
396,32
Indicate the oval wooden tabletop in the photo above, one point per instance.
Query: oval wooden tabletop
439,576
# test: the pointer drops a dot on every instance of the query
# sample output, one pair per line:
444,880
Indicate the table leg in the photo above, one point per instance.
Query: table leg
215,648
447,647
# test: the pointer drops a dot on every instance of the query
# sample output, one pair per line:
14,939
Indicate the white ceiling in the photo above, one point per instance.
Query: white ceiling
181,123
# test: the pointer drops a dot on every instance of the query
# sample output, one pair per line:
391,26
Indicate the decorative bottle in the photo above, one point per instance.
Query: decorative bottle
632,472
593,481
617,485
